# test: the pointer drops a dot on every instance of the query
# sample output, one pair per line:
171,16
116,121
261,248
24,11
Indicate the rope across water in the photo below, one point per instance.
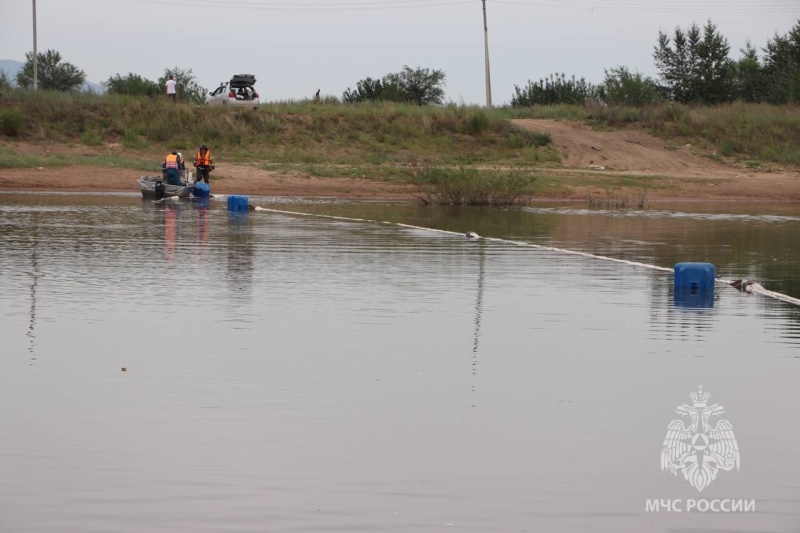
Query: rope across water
742,285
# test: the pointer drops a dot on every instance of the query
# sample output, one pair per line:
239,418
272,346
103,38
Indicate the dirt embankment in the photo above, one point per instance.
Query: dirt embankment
674,171
592,160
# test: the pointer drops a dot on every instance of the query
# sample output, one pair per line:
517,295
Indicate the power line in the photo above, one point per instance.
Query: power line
662,6
305,6
771,6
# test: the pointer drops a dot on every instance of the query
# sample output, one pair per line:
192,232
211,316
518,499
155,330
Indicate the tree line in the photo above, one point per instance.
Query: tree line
694,66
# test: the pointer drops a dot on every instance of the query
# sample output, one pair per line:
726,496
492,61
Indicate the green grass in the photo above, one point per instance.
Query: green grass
287,132
12,159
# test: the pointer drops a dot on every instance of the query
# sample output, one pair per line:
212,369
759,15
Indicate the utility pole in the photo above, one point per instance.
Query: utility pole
35,53
486,50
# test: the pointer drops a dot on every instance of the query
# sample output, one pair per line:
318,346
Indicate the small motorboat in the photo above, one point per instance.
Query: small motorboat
150,185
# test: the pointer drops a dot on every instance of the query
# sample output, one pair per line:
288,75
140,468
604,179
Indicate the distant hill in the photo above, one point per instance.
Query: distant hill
11,67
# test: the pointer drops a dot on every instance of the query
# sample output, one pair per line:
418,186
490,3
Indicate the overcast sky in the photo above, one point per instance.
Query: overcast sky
295,47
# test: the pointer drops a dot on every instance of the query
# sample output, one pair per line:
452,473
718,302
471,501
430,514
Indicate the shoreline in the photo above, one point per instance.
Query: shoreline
564,185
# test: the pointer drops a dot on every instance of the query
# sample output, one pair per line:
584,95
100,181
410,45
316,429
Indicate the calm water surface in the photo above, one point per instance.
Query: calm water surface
310,374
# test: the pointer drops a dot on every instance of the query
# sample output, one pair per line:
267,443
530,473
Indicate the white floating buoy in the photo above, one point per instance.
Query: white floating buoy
471,235
258,208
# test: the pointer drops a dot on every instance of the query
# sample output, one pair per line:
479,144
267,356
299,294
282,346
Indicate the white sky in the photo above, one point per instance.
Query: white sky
295,47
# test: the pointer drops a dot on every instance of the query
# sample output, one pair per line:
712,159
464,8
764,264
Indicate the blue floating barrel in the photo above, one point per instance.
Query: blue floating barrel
237,204
201,190
694,277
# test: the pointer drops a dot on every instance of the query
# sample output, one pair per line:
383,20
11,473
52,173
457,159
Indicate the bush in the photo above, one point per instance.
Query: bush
556,89
622,87
11,121
133,85
91,138
421,86
478,122
470,186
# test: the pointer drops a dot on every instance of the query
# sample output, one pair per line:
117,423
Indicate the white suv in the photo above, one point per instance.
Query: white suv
240,91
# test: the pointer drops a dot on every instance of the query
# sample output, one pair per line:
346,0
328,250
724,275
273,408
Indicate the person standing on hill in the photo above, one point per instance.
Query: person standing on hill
172,89
204,163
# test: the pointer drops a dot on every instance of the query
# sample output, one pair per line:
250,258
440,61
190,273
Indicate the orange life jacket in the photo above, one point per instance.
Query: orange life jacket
203,160
171,161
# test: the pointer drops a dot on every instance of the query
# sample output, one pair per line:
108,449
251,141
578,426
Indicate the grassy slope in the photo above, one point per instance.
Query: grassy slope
345,139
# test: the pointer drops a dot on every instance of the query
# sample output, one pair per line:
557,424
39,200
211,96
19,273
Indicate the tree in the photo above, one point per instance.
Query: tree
750,84
5,83
782,66
188,89
697,67
52,73
622,87
367,90
716,70
132,84
421,86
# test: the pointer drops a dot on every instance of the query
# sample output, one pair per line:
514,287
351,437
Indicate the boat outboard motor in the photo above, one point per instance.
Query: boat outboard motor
160,188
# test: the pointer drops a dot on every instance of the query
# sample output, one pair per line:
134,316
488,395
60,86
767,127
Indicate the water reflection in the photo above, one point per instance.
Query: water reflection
478,310
201,206
693,299
170,231
240,253
35,274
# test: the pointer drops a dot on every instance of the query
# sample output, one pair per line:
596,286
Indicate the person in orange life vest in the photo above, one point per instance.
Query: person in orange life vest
171,165
203,162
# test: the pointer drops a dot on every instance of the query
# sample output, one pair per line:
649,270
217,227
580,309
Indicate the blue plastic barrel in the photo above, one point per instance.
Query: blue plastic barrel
237,204
694,277
201,190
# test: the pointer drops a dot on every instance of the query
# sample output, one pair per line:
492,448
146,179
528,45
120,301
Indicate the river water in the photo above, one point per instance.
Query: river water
361,366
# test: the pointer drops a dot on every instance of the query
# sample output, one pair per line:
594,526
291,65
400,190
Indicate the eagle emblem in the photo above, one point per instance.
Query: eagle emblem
698,446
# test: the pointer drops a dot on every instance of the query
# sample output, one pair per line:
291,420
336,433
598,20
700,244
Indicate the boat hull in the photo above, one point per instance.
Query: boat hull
147,185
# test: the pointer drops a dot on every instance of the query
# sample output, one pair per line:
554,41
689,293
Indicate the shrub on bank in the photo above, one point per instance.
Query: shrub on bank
11,121
472,187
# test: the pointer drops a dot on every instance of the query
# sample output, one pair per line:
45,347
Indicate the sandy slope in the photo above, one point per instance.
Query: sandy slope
687,174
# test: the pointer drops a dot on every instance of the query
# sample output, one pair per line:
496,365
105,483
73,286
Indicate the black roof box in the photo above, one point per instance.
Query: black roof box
243,80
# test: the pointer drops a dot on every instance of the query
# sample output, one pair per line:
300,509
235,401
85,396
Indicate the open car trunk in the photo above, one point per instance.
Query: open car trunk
243,80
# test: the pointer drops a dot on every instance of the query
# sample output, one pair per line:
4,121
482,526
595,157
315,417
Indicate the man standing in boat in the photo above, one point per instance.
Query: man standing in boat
204,163
172,165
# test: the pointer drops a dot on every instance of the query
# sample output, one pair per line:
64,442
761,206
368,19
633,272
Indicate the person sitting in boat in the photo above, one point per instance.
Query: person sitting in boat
171,167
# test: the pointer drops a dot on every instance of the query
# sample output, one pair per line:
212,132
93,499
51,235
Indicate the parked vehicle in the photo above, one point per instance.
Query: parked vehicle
239,91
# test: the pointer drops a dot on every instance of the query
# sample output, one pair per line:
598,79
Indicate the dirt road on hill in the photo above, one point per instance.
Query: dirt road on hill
680,171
